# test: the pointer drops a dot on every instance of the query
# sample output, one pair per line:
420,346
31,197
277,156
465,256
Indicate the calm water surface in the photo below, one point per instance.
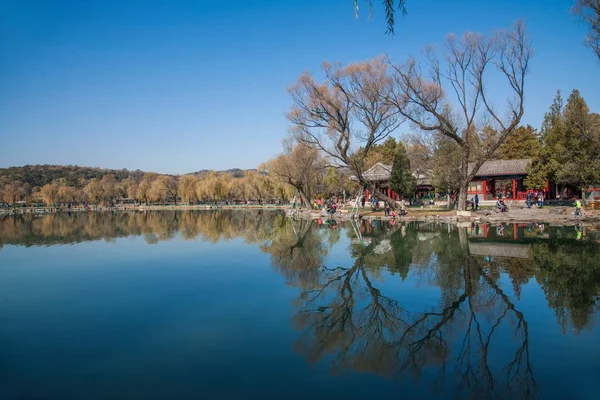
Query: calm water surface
191,305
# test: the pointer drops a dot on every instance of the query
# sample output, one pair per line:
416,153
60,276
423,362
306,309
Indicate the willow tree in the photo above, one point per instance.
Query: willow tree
345,116
12,192
450,94
187,188
299,167
259,185
144,188
49,193
93,191
391,6
164,188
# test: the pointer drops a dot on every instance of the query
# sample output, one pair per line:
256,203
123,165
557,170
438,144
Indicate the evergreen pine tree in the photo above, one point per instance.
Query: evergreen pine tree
402,180
522,143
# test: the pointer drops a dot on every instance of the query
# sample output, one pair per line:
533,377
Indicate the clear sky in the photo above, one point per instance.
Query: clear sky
178,86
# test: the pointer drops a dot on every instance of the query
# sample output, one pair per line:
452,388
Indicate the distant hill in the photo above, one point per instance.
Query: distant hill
76,176
236,172
39,175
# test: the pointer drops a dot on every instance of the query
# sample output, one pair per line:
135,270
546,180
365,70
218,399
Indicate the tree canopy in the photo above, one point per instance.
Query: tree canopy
524,142
570,152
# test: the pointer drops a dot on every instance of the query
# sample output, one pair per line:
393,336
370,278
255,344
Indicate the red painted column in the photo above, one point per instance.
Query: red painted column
484,187
514,189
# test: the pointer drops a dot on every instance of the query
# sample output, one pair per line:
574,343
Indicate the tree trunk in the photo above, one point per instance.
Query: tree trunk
464,184
303,197
391,202
462,197
448,206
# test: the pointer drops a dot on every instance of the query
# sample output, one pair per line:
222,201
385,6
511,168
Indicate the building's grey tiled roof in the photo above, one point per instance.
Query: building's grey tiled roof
381,172
502,167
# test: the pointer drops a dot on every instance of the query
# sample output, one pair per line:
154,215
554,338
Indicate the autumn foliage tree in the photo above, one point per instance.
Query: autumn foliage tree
345,116
299,167
12,192
187,188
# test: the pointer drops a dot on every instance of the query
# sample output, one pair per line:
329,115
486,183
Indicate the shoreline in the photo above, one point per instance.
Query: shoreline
557,215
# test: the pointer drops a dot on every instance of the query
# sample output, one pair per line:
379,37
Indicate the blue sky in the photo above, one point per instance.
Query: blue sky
179,86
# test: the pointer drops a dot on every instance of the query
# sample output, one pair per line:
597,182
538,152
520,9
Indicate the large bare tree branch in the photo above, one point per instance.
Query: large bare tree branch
423,101
588,12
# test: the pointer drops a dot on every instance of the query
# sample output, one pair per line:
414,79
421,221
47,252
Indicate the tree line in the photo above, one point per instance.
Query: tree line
267,185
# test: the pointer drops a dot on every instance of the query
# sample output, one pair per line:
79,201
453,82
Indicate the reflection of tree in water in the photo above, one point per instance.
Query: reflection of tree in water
345,315
346,312
58,228
297,251
570,279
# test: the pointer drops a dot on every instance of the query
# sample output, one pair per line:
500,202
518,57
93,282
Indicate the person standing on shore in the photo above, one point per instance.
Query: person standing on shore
578,210
476,202
528,200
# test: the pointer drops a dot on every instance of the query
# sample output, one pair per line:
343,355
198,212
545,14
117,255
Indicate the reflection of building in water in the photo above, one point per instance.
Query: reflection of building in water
526,232
510,250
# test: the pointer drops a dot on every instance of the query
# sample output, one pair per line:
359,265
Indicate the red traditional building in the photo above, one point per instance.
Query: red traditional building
501,177
494,177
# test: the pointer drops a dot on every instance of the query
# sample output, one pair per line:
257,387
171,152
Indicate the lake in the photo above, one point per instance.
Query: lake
234,304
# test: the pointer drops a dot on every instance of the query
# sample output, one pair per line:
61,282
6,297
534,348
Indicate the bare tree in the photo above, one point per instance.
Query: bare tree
423,98
347,112
588,12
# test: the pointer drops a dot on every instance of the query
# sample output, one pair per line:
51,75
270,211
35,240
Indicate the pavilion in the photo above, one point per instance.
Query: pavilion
379,176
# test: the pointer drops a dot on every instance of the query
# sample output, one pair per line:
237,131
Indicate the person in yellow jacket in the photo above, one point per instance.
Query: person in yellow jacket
578,207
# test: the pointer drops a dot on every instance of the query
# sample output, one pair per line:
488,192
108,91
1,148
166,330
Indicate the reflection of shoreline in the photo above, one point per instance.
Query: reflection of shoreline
67,228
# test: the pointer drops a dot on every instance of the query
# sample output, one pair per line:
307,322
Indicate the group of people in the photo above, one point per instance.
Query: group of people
391,213
536,197
372,199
